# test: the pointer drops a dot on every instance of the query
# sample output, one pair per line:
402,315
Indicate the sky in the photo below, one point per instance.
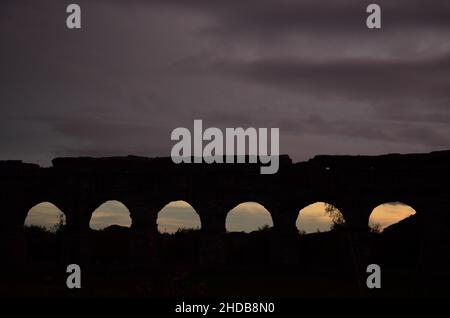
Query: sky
246,217
140,68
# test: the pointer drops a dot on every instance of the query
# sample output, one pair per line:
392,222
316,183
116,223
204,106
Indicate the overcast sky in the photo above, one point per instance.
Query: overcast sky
140,68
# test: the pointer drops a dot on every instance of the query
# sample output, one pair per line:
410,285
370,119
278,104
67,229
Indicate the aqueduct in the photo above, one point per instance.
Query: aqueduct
353,184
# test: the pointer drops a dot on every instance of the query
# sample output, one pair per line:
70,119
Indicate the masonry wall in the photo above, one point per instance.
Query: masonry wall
354,184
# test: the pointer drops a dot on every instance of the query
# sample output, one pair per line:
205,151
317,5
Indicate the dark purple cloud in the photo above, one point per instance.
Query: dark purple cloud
359,78
140,68
311,15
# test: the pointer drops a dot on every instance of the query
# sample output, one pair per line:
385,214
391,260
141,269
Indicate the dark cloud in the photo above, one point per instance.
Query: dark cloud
396,132
360,78
402,90
310,15
140,68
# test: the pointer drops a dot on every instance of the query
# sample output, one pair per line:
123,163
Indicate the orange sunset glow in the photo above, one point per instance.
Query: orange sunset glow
245,217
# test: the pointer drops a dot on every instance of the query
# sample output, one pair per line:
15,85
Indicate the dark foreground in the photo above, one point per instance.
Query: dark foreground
192,264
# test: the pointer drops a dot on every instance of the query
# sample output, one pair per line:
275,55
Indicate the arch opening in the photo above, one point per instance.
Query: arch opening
178,216
388,214
110,213
248,217
319,217
45,216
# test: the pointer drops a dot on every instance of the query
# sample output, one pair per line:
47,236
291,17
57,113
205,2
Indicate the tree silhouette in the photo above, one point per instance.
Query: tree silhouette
376,228
335,215
59,226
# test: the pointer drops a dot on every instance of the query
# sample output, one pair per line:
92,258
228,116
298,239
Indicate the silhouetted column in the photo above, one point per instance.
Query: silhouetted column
214,224
434,251
144,219
12,238
144,231
213,218
356,214
284,219
212,245
76,245
284,246
357,236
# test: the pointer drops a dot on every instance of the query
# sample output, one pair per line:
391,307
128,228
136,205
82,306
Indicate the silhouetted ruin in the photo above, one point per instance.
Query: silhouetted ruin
418,247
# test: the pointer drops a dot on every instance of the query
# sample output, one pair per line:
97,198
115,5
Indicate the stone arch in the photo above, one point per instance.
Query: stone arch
248,217
110,212
45,215
388,214
319,217
178,215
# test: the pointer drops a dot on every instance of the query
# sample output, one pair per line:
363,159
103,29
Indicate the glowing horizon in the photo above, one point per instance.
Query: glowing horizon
245,217
110,213
177,215
387,214
313,218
